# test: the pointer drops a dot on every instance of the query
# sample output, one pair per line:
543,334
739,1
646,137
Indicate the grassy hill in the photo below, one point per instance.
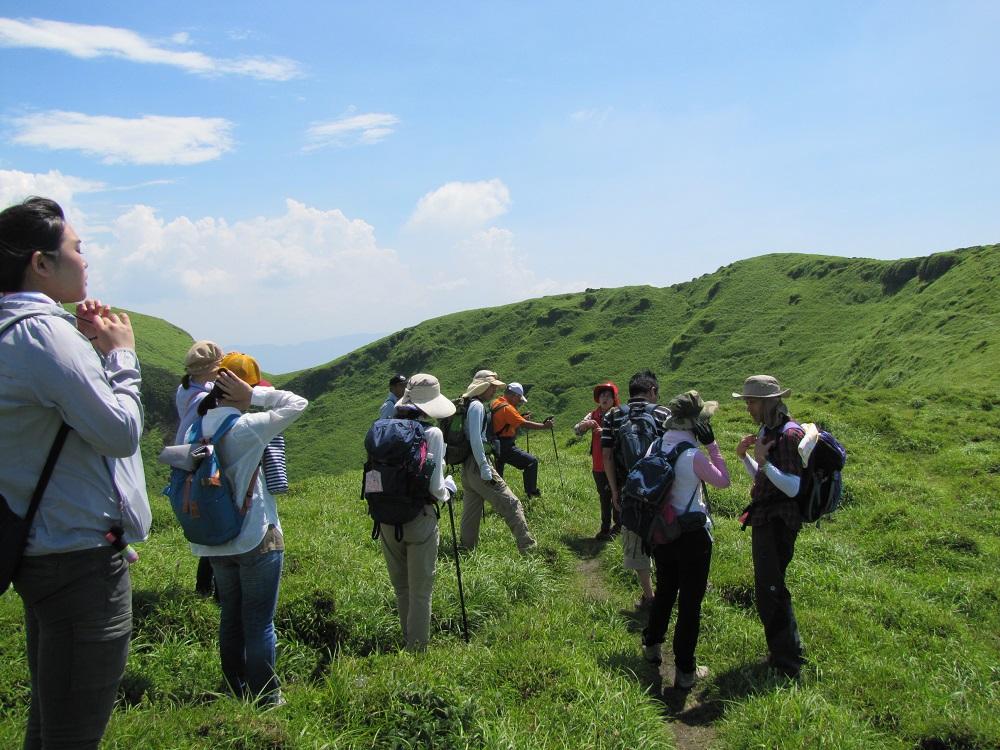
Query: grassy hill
820,324
896,594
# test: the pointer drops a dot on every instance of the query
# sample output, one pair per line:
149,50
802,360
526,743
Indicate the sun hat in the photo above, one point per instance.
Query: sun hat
687,409
481,381
762,386
242,366
202,358
424,392
397,379
517,389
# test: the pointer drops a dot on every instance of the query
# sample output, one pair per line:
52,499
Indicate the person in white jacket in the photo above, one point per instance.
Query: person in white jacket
411,558
248,568
80,371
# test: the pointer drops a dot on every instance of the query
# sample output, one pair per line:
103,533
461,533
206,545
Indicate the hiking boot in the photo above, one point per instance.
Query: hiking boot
616,530
603,535
644,603
653,653
685,680
536,493
529,548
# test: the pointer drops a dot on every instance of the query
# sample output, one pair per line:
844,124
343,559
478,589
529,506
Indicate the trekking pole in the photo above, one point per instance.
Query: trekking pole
552,429
458,570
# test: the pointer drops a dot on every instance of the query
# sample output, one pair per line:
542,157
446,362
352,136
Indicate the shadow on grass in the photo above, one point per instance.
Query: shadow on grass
585,548
712,696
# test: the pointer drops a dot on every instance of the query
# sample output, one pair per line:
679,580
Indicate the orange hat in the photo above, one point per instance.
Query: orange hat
242,366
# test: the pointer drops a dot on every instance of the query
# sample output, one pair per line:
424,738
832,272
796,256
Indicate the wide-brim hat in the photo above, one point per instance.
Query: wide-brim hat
242,366
202,359
688,408
424,392
762,386
481,381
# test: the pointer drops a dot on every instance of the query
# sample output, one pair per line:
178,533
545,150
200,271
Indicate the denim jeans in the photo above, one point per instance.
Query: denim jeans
247,585
519,459
78,621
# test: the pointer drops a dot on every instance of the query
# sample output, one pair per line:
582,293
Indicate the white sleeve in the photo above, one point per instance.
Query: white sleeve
283,408
435,445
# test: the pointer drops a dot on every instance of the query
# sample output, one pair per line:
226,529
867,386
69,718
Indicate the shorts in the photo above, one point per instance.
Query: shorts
635,557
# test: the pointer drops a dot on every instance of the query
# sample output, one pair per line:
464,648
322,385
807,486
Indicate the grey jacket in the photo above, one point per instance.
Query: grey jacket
50,373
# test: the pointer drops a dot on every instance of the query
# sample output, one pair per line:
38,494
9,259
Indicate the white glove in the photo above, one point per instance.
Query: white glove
485,472
449,484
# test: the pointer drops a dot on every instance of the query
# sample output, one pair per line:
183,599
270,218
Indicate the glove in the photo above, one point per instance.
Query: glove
449,484
486,473
703,431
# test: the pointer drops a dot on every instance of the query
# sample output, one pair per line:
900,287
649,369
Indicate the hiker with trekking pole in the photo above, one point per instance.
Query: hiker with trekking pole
404,481
507,420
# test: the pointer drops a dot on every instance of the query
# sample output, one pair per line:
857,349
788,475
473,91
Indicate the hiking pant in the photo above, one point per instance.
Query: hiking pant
773,545
411,564
519,459
681,576
475,492
77,621
608,511
248,597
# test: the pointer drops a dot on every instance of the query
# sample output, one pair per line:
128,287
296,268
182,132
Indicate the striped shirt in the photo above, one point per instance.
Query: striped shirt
274,465
616,418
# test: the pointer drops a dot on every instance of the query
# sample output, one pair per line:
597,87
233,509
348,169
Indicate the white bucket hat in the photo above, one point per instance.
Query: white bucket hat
424,392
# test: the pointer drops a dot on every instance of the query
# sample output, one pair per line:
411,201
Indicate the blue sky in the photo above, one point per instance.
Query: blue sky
279,173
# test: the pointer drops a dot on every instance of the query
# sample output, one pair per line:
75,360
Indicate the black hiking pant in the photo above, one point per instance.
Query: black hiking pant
608,511
773,545
681,576
519,459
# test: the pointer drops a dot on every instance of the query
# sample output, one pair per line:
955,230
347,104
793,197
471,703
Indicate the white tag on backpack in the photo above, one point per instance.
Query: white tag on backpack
373,481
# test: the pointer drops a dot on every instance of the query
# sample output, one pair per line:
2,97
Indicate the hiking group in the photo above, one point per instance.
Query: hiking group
73,489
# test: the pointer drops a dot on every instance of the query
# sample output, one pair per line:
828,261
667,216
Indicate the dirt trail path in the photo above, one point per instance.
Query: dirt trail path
689,718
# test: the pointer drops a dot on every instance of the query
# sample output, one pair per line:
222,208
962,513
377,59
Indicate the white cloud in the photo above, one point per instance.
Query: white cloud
462,204
15,186
86,42
151,139
285,278
492,253
598,116
351,130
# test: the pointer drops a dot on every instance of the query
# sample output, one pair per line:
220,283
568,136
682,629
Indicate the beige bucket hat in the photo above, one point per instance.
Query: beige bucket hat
481,381
424,392
203,359
762,386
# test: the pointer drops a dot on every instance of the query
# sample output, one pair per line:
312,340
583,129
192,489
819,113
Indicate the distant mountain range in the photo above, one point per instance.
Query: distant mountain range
926,325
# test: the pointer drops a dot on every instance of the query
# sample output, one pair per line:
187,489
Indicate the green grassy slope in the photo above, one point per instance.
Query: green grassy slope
818,323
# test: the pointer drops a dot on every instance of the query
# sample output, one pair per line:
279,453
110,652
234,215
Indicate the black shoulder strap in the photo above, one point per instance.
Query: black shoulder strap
57,444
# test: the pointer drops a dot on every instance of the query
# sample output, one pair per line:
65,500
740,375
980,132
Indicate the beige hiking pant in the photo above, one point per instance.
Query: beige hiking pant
498,494
411,564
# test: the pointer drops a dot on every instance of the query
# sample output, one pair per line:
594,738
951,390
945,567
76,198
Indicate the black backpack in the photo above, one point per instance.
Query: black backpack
646,488
397,473
820,486
633,438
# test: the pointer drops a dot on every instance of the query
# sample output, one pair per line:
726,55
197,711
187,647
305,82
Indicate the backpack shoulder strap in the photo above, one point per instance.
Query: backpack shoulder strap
226,426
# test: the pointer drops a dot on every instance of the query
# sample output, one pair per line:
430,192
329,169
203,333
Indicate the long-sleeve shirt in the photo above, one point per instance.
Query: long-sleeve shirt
240,452
50,373
435,447
475,429
388,407
596,454
186,400
775,487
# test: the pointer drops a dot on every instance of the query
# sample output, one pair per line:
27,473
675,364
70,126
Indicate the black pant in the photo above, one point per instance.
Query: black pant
681,576
773,546
608,510
77,621
519,459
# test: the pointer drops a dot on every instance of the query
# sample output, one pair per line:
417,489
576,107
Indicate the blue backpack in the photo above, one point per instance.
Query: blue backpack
203,500
646,488
397,476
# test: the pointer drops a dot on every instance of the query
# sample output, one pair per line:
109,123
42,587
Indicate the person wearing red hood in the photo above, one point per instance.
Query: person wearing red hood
606,396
